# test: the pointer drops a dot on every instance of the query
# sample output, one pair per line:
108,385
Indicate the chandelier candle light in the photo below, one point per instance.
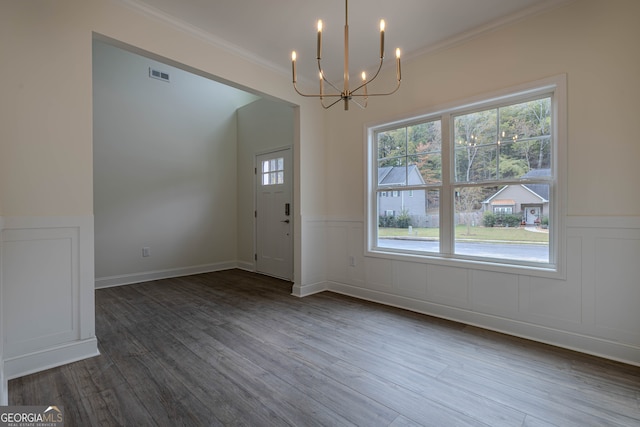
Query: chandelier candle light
346,94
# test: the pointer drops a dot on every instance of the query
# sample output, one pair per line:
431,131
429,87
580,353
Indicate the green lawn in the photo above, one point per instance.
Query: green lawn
477,233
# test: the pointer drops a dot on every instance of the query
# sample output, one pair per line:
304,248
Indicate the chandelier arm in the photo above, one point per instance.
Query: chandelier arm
316,95
366,82
325,78
363,106
326,107
379,94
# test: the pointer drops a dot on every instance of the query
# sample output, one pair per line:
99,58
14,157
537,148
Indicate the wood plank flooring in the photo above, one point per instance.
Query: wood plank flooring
235,348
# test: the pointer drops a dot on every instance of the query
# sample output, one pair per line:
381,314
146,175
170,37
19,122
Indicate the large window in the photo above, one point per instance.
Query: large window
475,183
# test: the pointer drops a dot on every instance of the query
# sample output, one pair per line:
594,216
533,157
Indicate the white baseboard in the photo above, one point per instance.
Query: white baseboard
246,266
128,279
50,358
560,338
310,289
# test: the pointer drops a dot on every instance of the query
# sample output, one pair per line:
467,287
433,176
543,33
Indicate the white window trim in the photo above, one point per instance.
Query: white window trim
557,239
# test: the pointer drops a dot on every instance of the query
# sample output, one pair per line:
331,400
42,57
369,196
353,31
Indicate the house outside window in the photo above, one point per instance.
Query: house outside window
483,179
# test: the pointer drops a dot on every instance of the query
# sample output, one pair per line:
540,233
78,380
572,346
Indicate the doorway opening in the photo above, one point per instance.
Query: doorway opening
173,175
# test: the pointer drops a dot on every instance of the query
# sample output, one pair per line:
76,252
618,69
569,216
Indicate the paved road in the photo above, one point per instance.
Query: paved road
512,251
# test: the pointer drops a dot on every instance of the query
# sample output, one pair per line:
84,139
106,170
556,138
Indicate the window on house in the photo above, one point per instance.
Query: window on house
466,180
503,210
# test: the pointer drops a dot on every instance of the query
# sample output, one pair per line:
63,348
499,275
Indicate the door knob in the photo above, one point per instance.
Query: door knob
286,220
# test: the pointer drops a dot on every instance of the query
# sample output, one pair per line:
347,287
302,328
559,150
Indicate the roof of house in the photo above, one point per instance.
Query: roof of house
540,190
398,175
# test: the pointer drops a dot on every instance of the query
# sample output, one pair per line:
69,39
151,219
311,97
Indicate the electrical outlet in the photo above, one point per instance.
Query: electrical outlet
146,252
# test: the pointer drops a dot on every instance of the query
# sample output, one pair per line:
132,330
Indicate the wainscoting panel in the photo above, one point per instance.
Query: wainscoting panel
617,269
448,285
355,271
339,236
410,279
378,274
549,301
313,274
592,308
47,292
494,293
41,282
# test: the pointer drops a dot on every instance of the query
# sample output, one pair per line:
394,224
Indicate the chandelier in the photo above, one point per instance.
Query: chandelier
359,95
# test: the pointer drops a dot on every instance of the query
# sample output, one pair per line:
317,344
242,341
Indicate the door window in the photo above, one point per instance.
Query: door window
273,171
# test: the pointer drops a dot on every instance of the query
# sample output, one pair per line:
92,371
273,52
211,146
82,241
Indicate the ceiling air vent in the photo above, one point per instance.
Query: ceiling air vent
157,74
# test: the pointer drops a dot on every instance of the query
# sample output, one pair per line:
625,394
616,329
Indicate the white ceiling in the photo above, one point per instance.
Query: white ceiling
268,30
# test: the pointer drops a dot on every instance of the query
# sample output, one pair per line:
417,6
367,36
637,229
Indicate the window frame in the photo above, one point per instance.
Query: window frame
556,88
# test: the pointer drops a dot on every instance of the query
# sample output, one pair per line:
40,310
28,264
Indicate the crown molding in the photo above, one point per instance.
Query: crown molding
160,16
200,34
487,28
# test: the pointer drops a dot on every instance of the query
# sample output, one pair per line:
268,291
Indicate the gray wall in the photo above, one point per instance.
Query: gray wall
164,167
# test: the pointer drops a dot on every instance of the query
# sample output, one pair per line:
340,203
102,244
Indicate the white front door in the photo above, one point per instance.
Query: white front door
532,214
274,214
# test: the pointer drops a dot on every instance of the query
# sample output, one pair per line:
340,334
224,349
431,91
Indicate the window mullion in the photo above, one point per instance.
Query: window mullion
446,195
498,143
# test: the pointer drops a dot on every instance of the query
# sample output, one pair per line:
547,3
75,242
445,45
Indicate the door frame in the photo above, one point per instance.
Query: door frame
255,205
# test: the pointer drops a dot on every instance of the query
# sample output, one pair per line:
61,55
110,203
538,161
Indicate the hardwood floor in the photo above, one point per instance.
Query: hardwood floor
235,348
